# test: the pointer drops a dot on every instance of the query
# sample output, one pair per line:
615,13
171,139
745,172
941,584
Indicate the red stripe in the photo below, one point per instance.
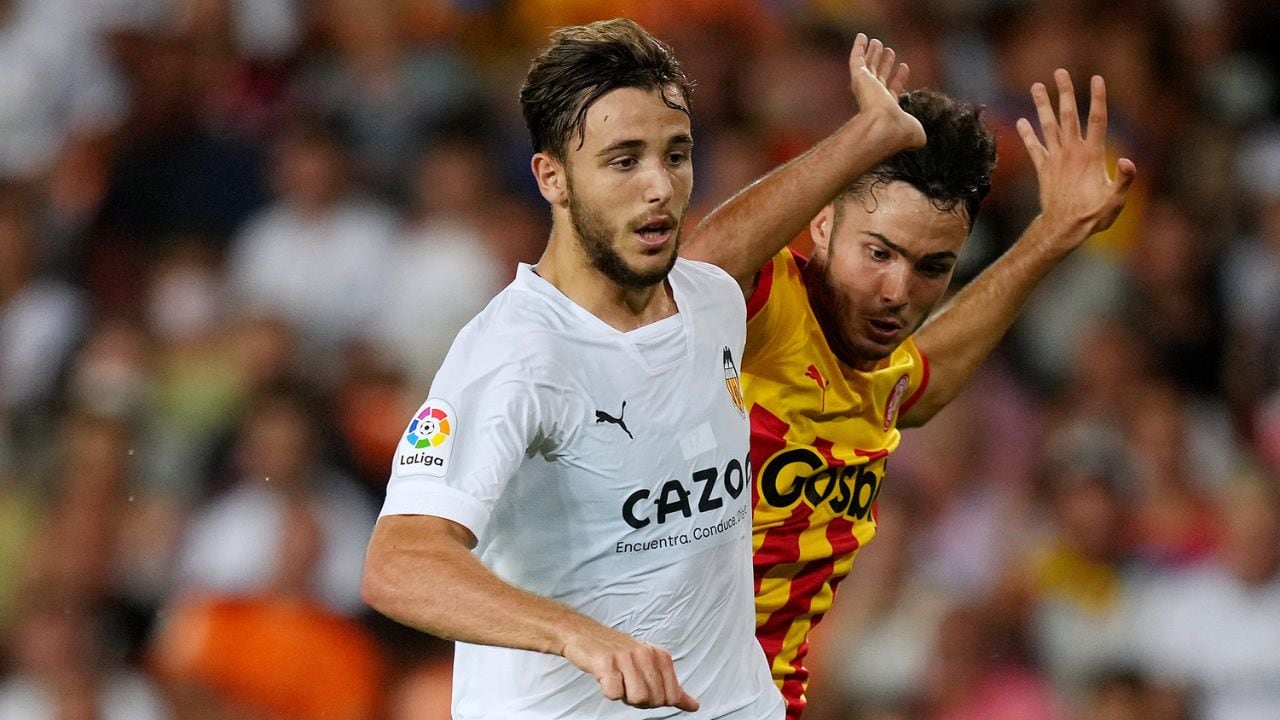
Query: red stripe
759,296
924,383
768,436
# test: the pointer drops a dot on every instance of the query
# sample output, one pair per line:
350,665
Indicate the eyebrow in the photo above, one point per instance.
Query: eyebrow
681,139
944,255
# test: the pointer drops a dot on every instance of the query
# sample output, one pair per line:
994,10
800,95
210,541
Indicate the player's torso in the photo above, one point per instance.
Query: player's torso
636,515
647,462
820,436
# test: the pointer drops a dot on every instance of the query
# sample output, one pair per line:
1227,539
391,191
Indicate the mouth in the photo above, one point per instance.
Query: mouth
883,330
656,231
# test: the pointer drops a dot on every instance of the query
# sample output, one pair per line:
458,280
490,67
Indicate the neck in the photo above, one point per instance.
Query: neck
565,265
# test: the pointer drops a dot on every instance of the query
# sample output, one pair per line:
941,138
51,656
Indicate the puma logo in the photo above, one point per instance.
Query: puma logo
814,374
604,417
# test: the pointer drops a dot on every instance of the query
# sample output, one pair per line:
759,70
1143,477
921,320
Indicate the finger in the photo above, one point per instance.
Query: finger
611,684
670,685
857,59
1097,131
649,667
1032,143
1044,111
638,691
886,64
1126,171
1068,114
687,702
874,48
859,47
898,83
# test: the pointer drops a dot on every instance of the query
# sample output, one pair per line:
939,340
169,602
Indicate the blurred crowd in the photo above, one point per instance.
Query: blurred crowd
237,236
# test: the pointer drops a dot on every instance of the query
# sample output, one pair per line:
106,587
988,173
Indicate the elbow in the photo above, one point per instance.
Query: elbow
375,591
378,588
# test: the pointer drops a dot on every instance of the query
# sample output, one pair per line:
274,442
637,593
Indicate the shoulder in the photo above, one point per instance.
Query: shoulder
705,276
707,282
780,286
518,334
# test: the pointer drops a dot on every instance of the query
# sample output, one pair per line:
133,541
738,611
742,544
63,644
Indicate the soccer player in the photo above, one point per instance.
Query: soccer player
838,354
586,433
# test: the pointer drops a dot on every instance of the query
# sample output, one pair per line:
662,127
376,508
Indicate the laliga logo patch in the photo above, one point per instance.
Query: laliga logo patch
733,384
895,400
429,439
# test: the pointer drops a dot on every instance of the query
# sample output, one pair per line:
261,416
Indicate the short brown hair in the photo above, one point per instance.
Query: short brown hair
582,64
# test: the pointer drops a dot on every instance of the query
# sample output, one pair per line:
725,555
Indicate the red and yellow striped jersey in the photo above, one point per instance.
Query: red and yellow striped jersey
820,434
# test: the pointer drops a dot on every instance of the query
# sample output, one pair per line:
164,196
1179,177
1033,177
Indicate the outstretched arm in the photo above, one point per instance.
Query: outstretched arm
1078,198
419,571
752,226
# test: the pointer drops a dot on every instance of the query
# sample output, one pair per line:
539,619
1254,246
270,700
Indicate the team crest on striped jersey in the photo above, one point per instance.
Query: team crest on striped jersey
895,401
733,383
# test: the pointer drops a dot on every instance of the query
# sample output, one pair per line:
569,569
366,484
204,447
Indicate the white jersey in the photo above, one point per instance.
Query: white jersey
605,470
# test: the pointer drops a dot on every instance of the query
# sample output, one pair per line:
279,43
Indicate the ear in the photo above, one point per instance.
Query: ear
553,179
821,227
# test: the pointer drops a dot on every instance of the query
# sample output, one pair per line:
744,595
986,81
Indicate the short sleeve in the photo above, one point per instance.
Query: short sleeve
918,375
467,441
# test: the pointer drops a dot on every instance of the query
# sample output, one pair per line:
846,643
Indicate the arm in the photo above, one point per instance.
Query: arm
1077,199
742,234
420,571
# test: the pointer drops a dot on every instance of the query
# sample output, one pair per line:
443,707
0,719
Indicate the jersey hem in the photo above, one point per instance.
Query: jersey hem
424,497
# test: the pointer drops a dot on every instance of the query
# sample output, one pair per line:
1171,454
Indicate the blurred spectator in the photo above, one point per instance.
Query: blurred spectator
449,262
282,658
1125,694
291,524
384,91
58,87
1213,630
1175,470
1175,304
318,255
968,514
64,670
973,676
41,318
1251,279
1073,586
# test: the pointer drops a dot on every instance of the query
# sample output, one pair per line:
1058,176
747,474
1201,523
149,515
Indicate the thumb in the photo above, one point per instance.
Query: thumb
687,702
1126,171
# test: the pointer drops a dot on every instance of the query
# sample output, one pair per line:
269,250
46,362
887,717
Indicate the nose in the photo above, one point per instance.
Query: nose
895,285
658,186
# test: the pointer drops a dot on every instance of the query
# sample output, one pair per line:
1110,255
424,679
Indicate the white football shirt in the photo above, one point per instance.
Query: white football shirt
608,471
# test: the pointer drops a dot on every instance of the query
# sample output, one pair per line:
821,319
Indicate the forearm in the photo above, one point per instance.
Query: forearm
742,234
441,588
959,337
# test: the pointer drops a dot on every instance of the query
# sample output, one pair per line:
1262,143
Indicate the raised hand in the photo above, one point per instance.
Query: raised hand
637,673
876,80
1076,190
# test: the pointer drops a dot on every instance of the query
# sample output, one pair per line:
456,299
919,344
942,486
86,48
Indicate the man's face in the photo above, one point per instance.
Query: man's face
877,273
629,184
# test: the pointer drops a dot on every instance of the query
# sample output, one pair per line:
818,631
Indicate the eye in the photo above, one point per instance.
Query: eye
934,270
623,163
677,158
879,254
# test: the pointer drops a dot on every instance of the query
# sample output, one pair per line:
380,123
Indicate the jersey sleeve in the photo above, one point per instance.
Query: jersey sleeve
769,312
465,443
918,377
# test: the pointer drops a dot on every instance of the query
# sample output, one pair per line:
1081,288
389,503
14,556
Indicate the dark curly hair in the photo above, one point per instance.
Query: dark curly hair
582,64
954,167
